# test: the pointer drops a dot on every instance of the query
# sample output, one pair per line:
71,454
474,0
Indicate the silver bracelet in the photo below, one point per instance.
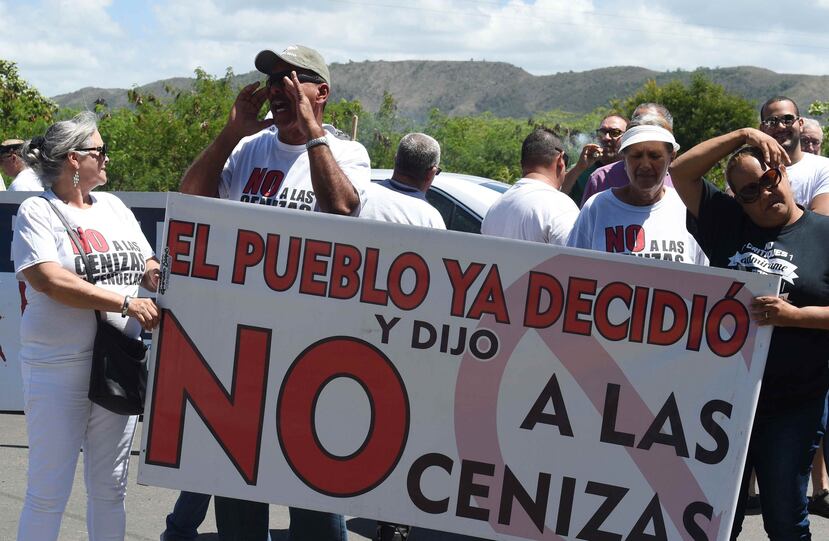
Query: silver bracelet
316,142
125,306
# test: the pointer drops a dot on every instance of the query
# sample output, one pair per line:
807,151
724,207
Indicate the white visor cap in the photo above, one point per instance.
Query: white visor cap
641,134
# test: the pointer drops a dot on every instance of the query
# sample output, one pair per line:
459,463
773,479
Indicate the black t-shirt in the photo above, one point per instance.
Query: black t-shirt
796,369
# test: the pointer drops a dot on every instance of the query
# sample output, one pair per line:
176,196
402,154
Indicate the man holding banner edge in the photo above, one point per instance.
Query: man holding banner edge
288,161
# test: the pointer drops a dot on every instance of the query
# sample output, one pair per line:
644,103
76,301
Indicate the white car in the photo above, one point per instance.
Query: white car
462,200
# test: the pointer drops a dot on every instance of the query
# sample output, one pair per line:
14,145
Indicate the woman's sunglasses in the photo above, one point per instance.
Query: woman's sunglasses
751,192
101,150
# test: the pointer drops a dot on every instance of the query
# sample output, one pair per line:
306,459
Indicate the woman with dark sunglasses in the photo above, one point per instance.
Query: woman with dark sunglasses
762,229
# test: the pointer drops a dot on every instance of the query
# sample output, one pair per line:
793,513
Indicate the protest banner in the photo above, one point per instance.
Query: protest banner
476,385
148,209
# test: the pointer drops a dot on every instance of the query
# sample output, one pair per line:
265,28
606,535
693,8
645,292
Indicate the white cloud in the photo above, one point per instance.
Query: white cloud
542,36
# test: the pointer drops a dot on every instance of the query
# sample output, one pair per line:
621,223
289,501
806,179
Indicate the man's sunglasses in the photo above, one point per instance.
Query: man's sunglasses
786,120
751,192
564,156
276,79
613,132
102,150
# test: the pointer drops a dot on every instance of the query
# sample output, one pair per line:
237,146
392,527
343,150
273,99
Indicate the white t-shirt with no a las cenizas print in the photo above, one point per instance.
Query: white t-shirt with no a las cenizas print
264,170
656,231
117,249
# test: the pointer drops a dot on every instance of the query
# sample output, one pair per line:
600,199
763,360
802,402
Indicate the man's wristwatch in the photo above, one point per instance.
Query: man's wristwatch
316,142
125,306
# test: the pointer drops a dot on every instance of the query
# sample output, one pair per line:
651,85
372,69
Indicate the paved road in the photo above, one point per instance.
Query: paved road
147,506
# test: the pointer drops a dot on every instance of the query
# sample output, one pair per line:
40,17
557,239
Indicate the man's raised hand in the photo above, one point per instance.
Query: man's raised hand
244,115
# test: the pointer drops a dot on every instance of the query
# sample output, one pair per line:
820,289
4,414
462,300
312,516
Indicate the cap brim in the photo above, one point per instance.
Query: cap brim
266,60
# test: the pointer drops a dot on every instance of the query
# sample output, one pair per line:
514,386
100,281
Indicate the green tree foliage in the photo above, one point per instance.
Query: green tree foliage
154,144
820,109
480,145
701,110
381,132
24,112
342,115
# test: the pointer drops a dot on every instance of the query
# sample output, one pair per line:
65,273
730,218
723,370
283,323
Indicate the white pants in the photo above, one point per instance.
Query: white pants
60,420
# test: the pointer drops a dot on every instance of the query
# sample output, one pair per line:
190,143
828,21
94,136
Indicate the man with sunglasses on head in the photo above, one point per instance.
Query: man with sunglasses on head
808,174
533,208
594,155
23,177
762,229
288,161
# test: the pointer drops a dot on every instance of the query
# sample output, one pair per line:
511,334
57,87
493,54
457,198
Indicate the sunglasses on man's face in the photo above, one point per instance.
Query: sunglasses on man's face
786,120
276,79
613,132
101,150
751,192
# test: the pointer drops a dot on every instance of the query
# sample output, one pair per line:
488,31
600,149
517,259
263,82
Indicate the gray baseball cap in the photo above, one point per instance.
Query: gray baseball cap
298,56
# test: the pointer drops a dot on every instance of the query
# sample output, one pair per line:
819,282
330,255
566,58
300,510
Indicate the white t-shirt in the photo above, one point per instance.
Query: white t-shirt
809,178
264,170
655,231
51,331
531,210
391,201
26,181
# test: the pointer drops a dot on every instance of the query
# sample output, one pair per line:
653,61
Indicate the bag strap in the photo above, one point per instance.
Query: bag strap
73,236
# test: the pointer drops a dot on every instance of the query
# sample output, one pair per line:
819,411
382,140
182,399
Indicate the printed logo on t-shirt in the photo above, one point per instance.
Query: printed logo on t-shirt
264,187
631,239
117,262
766,260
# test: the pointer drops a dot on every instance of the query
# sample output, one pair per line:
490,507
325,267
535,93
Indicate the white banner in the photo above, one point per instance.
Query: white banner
148,209
489,387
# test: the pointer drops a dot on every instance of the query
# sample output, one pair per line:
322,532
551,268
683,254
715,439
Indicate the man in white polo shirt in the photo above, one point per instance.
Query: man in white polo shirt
402,198
533,208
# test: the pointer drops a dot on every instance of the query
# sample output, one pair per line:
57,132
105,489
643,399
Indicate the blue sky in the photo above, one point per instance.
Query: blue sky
62,45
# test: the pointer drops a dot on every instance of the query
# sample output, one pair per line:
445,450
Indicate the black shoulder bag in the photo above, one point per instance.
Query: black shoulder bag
118,381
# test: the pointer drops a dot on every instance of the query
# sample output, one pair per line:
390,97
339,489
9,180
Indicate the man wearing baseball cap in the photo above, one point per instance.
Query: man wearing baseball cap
289,161
13,166
316,171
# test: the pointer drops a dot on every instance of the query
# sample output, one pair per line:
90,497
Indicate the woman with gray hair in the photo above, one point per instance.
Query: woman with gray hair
640,218
58,327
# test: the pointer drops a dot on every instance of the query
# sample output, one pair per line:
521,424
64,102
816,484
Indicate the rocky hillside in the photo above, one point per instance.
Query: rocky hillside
469,87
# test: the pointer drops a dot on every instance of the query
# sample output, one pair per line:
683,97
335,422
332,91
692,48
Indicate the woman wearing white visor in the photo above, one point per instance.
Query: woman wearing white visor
644,218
